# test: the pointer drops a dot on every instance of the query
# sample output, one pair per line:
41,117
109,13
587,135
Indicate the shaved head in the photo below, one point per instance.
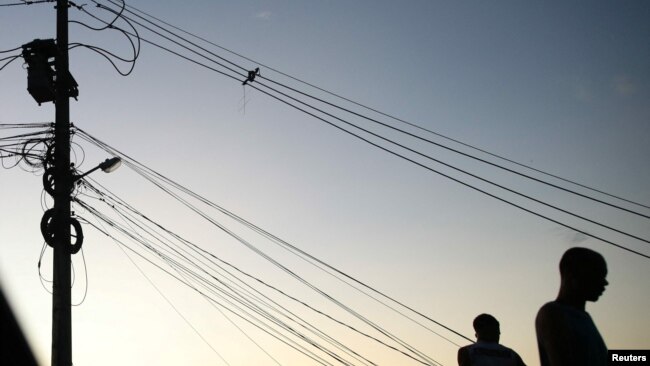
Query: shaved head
583,273
577,260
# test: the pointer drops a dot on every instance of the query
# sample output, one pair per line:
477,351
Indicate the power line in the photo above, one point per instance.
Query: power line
110,25
198,249
465,172
141,238
265,329
11,50
387,115
290,272
176,265
113,151
11,59
29,2
173,306
458,169
169,39
457,180
444,146
82,134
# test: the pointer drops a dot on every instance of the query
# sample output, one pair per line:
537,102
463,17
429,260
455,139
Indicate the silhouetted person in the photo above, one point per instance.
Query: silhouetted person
566,335
487,351
14,349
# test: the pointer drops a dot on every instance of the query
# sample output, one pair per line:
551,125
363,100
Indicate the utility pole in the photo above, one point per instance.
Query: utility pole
63,183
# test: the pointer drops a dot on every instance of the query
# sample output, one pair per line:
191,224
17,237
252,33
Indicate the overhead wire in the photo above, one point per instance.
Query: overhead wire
178,312
303,324
28,2
293,274
266,330
440,145
387,150
169,50
231,76
11,50
377,111
140,238
175,35
118,201
42,278
127,162
83,257
24,146
86,183
262,326
501,186
110,25
111,150
174,42
438,161
197,248
11,59
568,226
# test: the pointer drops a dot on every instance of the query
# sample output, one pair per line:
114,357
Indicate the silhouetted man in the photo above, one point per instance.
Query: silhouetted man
566,335
487,351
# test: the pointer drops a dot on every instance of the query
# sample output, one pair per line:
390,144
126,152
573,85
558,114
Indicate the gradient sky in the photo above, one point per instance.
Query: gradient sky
563,86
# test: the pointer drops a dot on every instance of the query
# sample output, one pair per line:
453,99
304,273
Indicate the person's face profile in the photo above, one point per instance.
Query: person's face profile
593,280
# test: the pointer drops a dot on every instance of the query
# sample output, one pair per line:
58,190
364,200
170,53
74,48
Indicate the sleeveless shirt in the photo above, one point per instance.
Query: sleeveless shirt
491,354
586,342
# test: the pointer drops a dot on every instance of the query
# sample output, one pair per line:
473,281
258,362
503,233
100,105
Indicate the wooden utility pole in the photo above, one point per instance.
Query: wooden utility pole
63,183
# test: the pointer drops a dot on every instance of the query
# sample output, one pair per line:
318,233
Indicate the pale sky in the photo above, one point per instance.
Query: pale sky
561,86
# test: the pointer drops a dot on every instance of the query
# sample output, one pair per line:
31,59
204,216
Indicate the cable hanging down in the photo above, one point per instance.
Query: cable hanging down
146,173
454,150
153,18
153,175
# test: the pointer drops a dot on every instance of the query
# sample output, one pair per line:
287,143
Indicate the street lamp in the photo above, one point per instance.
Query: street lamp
108,166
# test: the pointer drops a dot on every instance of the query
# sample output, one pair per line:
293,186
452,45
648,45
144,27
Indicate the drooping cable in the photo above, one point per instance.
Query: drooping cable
391,117
269,331
118,201
196,248
169,50
458,169
174,42
445,147
177,36
110,25
296,276
170,303
568,226
28,2
328,338
140,238
438,161
265,328
11,59
112,152
12,50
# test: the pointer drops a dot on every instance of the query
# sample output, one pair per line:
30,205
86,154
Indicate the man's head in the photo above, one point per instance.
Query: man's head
583,273
487,328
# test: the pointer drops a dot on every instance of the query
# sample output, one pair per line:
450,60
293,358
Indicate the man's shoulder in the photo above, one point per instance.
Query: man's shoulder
465,349
551,309
552,306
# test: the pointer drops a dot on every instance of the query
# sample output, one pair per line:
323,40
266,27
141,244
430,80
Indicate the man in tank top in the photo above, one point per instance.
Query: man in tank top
566,334
487,351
